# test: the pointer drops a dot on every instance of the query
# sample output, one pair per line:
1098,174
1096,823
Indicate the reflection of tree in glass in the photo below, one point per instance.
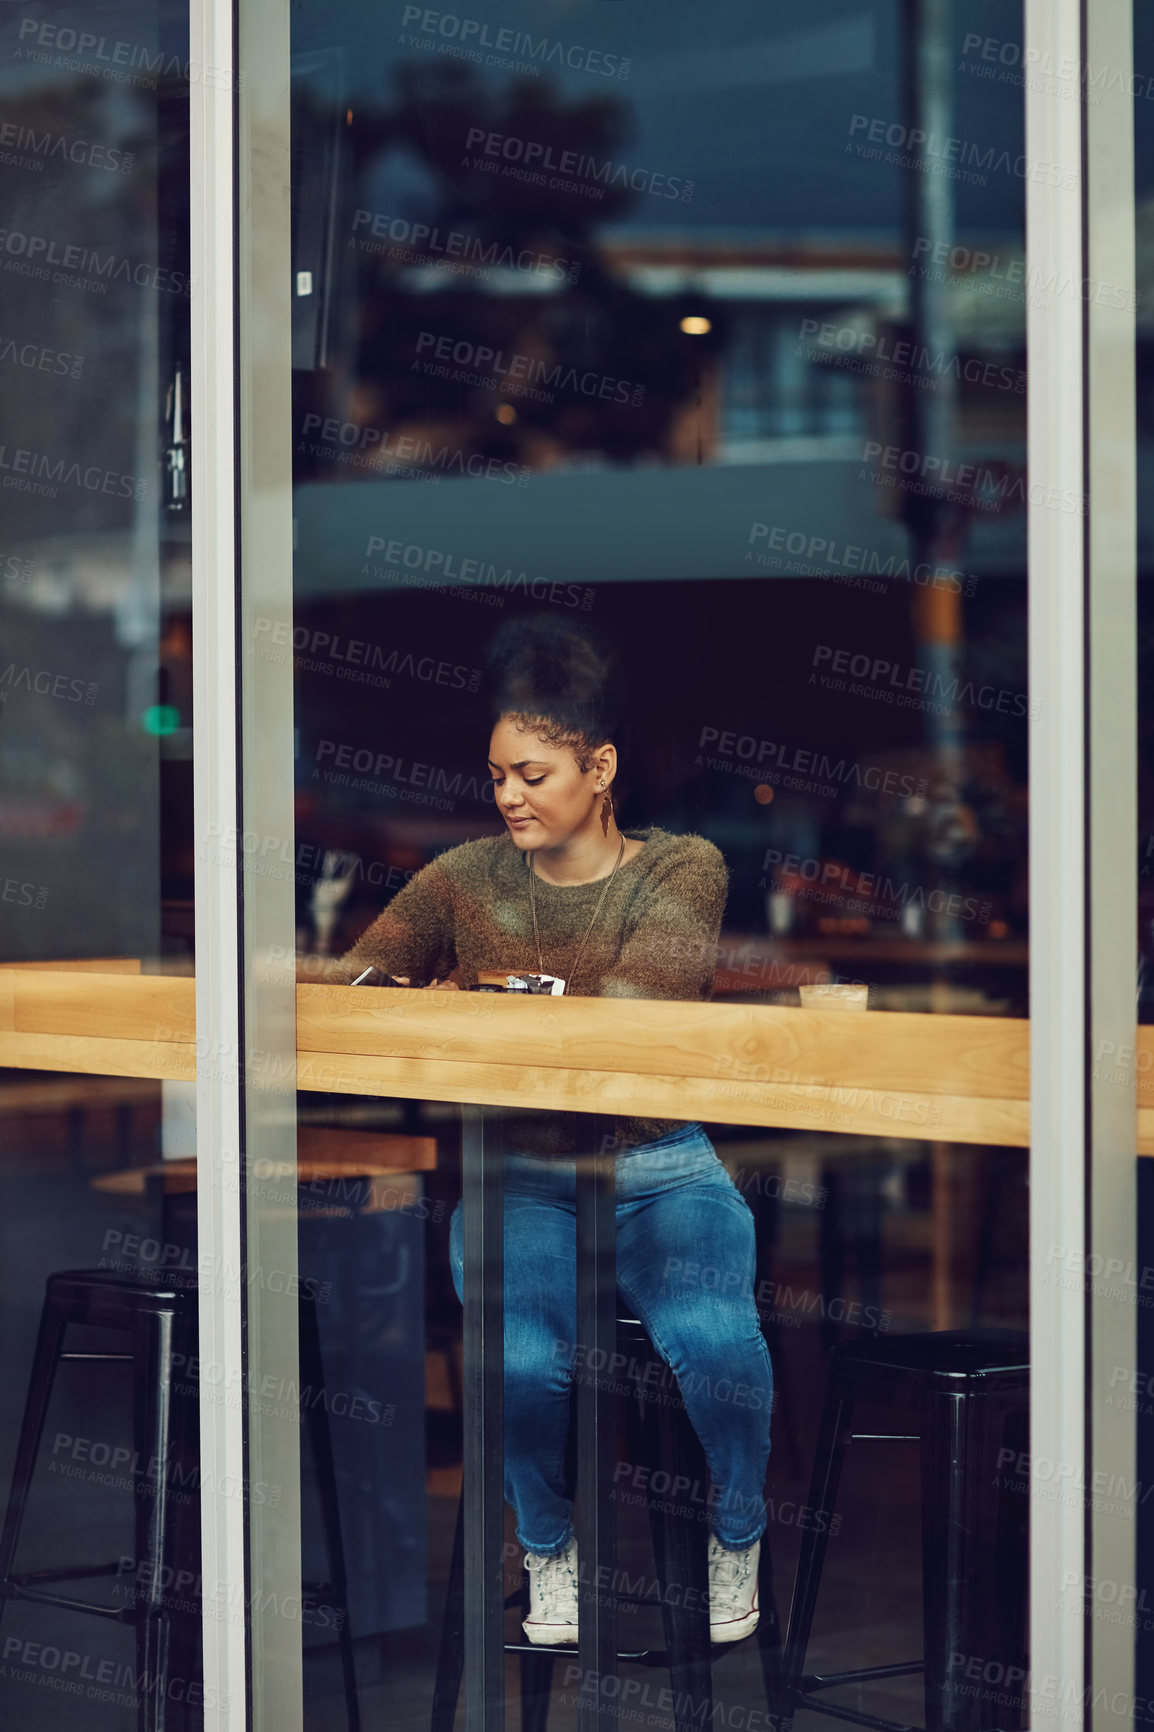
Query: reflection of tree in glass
78,203
601,370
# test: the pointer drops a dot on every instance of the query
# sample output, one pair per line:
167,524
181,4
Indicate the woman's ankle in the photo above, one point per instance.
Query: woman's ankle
553,1551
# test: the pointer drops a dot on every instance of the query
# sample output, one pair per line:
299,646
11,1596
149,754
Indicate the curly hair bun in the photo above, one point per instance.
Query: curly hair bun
556,672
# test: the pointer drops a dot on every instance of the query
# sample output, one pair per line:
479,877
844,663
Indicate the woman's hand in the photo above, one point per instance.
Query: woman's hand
445,985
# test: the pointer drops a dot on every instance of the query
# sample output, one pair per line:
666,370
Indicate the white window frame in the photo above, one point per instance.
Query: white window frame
1082,814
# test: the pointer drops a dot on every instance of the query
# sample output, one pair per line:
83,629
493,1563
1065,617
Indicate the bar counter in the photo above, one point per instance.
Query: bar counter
940,1078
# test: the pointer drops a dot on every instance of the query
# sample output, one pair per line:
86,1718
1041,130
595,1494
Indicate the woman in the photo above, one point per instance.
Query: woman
564,891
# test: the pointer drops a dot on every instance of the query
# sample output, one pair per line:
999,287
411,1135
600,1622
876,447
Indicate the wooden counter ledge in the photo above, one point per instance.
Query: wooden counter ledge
935,1078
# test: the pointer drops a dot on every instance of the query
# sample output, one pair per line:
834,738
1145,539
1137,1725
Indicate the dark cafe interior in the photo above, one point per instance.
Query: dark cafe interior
658,346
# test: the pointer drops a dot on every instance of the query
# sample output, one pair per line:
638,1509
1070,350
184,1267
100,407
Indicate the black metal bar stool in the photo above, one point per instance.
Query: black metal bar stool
658,1434
159,1316
969,1392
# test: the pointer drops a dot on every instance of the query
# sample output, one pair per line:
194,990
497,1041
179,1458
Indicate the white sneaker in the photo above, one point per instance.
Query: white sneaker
733,1607
552,1620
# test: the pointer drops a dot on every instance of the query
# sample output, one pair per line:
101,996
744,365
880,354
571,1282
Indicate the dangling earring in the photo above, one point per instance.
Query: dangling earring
606,811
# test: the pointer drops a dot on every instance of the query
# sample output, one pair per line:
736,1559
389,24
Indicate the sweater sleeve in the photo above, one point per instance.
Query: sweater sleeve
670,947
413,936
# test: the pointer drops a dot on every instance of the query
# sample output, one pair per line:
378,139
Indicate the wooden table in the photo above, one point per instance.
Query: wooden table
935,1078
895,1073
939,1079
328,1159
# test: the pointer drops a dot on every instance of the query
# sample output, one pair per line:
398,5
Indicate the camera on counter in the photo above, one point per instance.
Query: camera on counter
498,980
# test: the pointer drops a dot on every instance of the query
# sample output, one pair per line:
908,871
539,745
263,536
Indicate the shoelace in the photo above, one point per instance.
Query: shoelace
730,1569
556,1580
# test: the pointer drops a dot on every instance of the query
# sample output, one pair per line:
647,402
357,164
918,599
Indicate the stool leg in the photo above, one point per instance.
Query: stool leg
956,1541
680,1549
831,1234
993,1201
49,1342
595,1527
152,1435
182,1533
766,1214
536,1685
124,1123
974,1581
827,1463
1008,1606
774,1340
451,1655
77,1121
769,1636
312,1377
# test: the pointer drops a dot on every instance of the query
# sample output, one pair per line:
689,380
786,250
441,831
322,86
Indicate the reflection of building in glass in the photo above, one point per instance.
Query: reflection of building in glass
812,341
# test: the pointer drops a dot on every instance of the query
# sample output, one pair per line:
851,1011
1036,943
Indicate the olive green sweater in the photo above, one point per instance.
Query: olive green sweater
655,937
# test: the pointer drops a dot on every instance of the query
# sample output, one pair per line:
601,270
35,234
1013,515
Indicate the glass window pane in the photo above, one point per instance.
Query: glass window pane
98,1444
709,346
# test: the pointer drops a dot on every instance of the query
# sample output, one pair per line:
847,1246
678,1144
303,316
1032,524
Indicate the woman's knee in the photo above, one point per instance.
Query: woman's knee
714,1335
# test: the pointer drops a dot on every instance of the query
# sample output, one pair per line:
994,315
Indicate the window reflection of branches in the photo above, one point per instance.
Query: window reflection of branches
439,240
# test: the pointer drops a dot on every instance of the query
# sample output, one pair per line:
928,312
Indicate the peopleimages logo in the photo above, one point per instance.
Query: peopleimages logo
39,472
926,682
24,147
24,895
818,553
1011,277
118,61
47,684
383,771
373,448
755,753
515,50
493,369
38,358
442,565
101,1680
986,487
962,158
1038,67
77,264
419,243
867,892
355,658
882,355
14,569
571,170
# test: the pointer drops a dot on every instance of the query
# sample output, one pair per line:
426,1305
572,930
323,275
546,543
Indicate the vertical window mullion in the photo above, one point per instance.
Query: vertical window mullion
1058,1029
1112,799
216,794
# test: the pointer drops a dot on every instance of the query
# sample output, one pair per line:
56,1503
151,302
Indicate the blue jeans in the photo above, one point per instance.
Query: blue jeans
685,1263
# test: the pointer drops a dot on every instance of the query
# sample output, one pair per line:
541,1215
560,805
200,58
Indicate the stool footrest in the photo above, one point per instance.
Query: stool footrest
71,1573
659,1658
517,1598
640,1656
99,1358
830,1680
115,1614
884,1436
854,1716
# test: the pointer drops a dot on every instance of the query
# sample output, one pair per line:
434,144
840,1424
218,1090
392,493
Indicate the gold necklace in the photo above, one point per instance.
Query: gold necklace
588,929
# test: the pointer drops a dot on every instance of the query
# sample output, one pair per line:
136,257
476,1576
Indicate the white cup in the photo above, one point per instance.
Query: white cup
827,995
